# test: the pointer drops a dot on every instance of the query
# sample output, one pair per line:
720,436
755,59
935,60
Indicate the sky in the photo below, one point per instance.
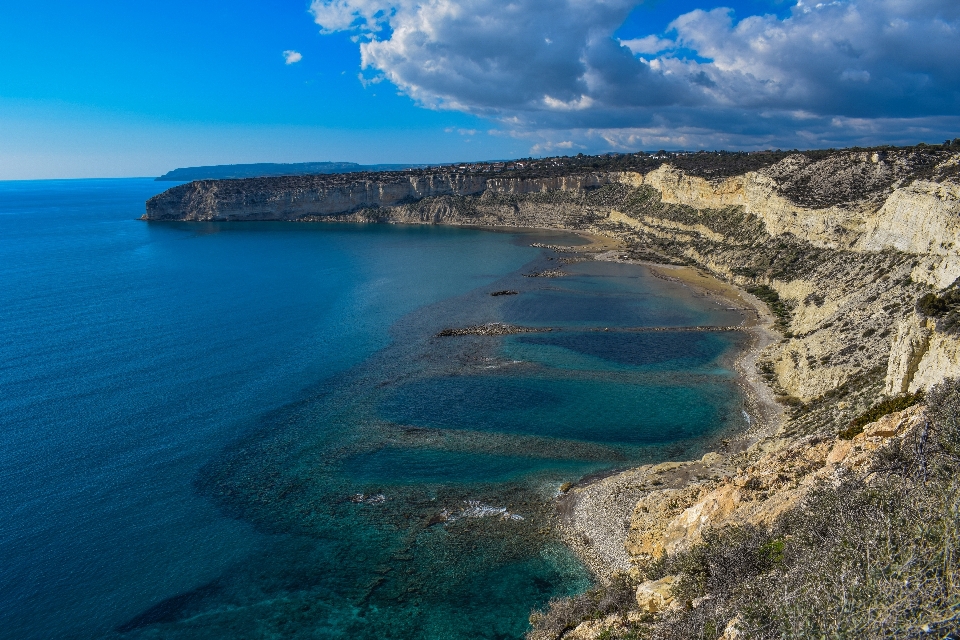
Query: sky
118,88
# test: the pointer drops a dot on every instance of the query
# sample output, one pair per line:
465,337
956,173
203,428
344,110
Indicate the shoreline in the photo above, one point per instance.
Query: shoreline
766,414
594,515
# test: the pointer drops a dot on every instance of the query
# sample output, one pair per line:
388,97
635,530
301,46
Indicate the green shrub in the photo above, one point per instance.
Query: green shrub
932,305
886,407
564,614
943,411
772,299
853,561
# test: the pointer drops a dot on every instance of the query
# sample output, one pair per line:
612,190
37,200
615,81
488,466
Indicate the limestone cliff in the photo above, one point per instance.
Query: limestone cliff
318,196
840,244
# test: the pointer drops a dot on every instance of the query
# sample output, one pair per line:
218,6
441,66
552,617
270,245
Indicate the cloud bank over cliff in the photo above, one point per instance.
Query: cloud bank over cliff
837,72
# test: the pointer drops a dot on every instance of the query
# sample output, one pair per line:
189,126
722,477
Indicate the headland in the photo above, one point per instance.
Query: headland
844,262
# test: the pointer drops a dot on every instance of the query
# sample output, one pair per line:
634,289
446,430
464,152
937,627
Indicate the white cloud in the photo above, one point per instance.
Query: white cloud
648,44
539,67
292,57
581,103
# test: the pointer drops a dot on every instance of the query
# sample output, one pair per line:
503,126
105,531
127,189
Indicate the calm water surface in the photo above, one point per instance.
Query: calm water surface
250,430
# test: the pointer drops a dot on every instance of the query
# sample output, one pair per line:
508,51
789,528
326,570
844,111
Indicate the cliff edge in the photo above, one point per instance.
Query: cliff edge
840,244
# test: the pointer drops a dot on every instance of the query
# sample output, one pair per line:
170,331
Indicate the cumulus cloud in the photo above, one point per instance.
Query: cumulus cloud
554,73
292,57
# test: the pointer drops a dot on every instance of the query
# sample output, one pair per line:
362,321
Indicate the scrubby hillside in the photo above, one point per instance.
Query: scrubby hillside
846,537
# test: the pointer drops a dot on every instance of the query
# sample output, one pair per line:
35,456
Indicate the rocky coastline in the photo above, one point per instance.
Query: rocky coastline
827,254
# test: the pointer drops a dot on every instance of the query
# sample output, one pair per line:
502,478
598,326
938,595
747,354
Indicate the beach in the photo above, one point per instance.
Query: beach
595,513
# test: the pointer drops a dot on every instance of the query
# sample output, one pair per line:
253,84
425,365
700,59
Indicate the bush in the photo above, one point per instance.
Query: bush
943,412
932,305
853,561
564,614
772,299
935,306
886,407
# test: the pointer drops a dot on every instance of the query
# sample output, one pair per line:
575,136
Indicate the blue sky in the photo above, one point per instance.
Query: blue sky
122,88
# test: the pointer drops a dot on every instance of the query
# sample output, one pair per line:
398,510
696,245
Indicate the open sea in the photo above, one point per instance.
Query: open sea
252,430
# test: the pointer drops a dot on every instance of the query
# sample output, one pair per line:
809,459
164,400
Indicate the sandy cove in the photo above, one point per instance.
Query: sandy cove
596,514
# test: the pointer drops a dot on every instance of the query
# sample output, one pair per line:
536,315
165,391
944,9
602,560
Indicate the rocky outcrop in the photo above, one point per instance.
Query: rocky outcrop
780,473
491,329
920,356
910,345
921,218
655,596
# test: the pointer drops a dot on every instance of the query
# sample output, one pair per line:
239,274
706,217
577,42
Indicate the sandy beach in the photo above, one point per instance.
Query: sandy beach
595,514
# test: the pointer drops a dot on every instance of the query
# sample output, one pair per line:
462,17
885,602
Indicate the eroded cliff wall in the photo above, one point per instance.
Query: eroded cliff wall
841,247
315,197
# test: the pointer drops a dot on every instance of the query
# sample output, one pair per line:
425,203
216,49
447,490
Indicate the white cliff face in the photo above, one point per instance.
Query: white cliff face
920,357
676,187
941,360
832,227
922,218
297,197
910,344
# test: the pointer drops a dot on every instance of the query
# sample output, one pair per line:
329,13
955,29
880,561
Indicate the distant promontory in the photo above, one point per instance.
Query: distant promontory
271,169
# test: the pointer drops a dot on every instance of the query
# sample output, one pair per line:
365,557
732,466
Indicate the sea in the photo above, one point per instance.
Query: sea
253,430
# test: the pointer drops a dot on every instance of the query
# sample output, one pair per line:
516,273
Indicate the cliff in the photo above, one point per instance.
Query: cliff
841,243
356,196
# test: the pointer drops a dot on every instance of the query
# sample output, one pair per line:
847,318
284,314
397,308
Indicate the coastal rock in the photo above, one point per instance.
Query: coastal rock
762,492
920,356
915,219
910,345
655,596
491,329
607,627
317,196
940,360
685,528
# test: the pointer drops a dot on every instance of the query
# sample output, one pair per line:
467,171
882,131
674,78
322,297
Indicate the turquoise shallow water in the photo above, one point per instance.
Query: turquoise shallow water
250,430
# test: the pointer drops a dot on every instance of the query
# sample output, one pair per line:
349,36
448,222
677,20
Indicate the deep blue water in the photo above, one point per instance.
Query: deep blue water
250,430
